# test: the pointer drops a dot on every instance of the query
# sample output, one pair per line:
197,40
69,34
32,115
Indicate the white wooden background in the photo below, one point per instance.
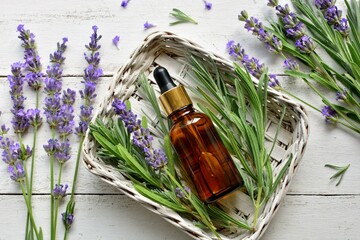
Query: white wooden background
314,207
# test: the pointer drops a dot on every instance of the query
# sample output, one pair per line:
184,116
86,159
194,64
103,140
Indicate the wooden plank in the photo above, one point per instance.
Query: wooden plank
118,217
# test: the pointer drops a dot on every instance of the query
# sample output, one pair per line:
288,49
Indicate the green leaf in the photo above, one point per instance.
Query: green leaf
340,172
136,166
169,154
157,198
149,94
223,216
181,16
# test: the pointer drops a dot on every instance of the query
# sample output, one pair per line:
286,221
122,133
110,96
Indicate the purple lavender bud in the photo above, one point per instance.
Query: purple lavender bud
34,80
332,15
208,5
296,32
34,117
235,50
89,92
243,16
254,67
273,3
290,20
273,81
17,172
148,25
343,27
305,44
59,191
4,130
52,106
20,121
93,59
54,71
68,97
81,129
116,40
128,117
341,96
57,56
125,3
16,69
68,219
85,113
180,194
94,38
330,114
291,64
52,86
11,151
63,152
324,4
51,147
282,11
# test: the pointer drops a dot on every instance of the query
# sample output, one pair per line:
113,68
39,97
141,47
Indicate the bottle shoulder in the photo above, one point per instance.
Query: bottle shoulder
196,119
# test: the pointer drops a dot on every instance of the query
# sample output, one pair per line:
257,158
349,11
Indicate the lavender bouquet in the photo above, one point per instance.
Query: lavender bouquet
58,111
296,37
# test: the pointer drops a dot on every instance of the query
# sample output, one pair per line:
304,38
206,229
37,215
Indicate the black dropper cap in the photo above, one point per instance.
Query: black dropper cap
163,79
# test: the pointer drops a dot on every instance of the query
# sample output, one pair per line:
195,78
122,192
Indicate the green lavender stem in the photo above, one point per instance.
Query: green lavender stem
257,207
299,99
76,168
57,200
52,233
29,211
33,158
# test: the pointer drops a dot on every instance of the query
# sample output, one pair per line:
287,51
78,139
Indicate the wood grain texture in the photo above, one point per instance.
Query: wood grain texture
314,207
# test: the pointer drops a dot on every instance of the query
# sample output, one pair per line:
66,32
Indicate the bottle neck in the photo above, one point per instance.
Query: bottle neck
180,113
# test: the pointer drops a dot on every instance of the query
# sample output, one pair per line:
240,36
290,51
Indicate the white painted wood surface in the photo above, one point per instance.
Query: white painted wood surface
313,209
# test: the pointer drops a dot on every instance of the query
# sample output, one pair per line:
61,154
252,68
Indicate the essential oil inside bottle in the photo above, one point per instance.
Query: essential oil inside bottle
197,143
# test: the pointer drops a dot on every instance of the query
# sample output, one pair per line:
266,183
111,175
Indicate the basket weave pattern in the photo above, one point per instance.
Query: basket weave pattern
291,139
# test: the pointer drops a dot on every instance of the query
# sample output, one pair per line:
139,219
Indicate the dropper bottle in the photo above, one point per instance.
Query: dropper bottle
195,140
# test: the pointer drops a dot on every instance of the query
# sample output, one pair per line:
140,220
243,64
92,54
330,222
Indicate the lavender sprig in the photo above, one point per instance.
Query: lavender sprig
142,139
272,43
253,65
92,74
59,114
333,16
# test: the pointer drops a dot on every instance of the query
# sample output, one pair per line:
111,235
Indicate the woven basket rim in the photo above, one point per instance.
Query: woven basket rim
106,173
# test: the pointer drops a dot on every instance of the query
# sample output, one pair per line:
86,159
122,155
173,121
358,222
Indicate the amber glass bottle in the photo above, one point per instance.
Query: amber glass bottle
197,143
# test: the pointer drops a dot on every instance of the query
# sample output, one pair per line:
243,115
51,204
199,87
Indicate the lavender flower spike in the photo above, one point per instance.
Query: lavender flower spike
32,59
91,76
142,139
272,43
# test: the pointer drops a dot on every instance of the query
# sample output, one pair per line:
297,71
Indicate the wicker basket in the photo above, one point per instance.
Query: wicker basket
165,48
